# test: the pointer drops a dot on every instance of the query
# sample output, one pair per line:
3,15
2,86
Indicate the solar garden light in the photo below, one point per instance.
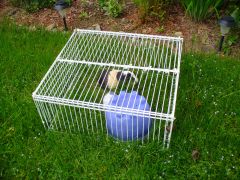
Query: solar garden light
225,23
61,6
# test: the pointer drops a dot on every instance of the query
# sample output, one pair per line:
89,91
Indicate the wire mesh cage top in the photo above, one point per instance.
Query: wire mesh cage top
73,78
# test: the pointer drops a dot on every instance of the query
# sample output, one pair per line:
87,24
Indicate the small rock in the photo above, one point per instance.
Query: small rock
87,4
144,31
178,34
61,28
54,16
90,3
207,48
124,20
90,28
12,12
149,30
51,27
129,3
73,9
195,154
97,27
32,28
168,128
205,39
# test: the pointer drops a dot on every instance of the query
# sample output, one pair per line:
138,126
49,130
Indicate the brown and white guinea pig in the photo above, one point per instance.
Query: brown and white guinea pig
112,78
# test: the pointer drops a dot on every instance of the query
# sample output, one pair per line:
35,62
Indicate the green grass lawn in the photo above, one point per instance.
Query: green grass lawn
207,120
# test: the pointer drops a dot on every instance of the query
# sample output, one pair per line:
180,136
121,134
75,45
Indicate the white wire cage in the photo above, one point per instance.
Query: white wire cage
69,97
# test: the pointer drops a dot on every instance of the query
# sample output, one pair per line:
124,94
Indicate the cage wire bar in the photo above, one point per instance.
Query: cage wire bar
69,97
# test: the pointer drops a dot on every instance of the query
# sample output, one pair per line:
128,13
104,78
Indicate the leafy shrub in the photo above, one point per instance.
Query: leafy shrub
153,8
234,10
143,6
201,9
102,3
236,15
113,8
17,3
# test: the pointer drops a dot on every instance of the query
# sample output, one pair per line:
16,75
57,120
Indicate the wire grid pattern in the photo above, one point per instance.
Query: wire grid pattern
70,98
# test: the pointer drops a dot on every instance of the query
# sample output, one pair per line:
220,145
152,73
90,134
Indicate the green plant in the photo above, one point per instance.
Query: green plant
68,1
159,15
17,3
83,15
102,3
160,29
143,6
155,8
32,5
236,15
230,41
199,10
113,8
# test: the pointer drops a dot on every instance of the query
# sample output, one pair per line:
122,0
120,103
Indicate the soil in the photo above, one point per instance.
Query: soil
200,37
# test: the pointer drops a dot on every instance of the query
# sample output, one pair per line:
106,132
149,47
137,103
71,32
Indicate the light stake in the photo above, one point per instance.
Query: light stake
61,6
225,23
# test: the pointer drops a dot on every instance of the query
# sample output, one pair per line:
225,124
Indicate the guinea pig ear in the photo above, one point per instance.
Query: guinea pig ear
120,76
103,79
129,75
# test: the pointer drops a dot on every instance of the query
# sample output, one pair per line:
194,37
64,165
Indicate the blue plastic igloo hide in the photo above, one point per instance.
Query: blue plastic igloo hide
124,126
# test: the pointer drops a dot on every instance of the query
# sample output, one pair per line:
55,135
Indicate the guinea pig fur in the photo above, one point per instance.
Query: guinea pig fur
111,78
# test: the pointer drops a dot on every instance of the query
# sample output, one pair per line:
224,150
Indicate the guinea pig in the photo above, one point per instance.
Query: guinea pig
111,78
